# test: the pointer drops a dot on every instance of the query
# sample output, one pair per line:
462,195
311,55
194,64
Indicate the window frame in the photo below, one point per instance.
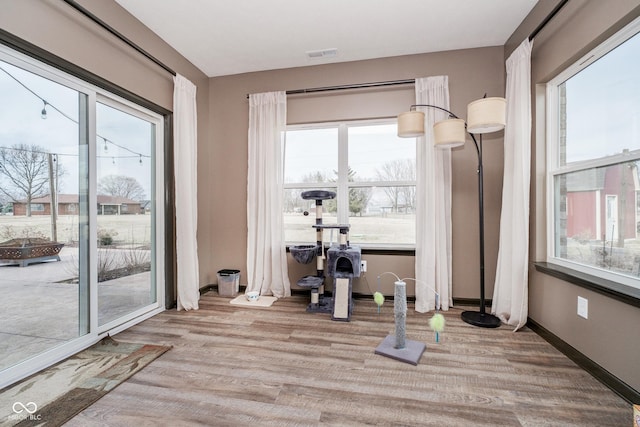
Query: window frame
342,184
554,169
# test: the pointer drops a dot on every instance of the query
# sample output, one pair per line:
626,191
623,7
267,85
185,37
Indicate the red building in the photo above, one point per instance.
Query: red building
602,203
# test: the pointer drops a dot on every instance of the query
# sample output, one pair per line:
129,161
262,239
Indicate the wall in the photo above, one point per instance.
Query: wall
472,73
58,28
611,335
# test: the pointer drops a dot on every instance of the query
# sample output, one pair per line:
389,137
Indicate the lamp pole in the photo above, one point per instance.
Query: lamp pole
480,318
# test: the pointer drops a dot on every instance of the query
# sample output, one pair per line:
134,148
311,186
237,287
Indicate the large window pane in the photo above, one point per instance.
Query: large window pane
597,220
300,215
124,196
602,106
389,217
311,155
40,222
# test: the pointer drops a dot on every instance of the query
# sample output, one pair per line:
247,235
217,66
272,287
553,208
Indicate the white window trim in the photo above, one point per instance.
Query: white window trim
553,167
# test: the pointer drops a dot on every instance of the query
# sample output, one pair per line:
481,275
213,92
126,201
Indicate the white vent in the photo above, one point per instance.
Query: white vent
323,53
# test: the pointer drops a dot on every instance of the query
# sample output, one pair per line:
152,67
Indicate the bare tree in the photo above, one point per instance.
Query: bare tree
122,186
26,169
399,170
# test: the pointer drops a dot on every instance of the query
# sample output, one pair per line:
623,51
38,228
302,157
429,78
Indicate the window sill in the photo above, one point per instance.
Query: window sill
609,288
376,250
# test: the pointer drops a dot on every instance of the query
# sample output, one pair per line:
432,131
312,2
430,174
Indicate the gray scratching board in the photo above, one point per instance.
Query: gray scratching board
411,353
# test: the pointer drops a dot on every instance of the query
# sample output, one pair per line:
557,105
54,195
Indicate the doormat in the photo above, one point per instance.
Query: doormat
263,301
58,393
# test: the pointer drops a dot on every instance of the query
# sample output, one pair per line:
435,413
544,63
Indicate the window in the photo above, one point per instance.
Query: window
593,126
372,172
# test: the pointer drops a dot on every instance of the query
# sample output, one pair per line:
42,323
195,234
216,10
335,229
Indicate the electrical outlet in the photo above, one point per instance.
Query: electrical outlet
583,307
363,266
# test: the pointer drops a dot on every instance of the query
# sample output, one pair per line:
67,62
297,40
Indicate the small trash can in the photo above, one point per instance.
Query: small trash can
228,282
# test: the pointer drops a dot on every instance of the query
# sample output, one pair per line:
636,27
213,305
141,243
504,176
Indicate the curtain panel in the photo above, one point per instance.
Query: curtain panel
186,193
433,210
266,253
510,294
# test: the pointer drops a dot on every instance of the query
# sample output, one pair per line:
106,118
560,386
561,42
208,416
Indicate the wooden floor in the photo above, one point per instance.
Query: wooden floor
282,366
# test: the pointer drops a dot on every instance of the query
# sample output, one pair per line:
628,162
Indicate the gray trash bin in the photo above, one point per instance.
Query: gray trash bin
228,282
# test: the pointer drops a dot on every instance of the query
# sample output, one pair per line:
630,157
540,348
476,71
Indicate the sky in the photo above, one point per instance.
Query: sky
311,150
603,109
21,123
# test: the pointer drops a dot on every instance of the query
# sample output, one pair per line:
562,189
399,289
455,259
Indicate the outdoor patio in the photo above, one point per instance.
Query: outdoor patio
42,304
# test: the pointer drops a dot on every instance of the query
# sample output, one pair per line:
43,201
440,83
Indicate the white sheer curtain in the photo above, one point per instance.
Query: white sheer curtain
186,167
433,210
510,294
266,253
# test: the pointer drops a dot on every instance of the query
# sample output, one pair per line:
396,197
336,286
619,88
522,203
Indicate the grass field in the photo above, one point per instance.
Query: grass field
388,229
125,230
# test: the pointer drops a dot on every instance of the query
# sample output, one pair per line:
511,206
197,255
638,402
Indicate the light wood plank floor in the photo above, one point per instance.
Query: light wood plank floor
282,366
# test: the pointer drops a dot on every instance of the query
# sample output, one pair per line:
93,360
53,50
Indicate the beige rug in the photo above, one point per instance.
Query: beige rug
263,301
55,395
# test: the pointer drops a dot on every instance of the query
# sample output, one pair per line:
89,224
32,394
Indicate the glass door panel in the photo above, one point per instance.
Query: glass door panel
42,180
125,142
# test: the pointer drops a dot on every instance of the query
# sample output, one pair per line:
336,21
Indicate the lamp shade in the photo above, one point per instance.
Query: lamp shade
449,133
410,124
486,115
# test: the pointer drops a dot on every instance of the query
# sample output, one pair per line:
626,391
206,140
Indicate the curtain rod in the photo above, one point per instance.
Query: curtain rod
352,86
547,19
114,32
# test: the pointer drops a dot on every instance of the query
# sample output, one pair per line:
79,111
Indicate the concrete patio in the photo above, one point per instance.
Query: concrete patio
41,305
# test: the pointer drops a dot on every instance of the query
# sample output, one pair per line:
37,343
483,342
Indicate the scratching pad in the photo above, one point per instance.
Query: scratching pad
411,353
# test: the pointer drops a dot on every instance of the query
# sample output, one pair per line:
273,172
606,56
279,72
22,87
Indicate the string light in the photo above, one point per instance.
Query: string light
43,114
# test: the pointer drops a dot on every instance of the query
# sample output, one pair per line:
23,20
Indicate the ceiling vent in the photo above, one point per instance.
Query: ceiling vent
323,53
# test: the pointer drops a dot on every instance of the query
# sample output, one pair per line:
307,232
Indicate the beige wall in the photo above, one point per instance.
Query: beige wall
471,74
611,335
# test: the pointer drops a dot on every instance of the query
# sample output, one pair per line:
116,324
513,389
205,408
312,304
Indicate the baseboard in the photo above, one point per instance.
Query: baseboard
598,372
207,288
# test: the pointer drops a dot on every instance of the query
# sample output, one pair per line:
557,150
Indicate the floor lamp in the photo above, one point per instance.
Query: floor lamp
485,115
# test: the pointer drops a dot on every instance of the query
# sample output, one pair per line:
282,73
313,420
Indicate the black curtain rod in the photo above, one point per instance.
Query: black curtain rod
115,32
547,19
353,86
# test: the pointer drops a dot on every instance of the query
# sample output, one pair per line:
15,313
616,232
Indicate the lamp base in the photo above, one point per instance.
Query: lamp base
483,320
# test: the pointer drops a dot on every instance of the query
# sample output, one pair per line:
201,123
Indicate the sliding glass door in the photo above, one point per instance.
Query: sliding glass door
81,238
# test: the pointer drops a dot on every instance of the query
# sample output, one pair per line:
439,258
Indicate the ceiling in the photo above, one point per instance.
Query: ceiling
223,37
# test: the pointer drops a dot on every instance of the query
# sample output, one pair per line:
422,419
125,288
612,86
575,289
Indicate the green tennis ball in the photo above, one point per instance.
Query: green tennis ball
378,298
437,322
